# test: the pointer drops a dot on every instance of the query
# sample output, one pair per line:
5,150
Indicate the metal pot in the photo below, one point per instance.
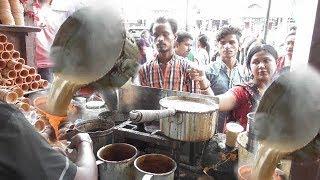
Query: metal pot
93,44
244,155
116,161
183,118
100,132
155,167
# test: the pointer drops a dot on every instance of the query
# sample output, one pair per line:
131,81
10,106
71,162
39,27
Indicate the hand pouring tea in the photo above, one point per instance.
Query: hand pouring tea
91,45
287,118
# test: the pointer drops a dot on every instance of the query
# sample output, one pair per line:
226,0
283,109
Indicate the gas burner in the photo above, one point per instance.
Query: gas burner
147,142
152,127
115,116
151,140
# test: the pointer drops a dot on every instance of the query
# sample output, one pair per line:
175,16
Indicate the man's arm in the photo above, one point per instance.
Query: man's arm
142,77
86,162
25,152
198,75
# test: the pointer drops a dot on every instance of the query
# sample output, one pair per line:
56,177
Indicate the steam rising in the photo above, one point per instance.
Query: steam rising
288,115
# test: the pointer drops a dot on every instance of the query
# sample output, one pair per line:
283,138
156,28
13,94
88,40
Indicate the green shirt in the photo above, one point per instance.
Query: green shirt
190,57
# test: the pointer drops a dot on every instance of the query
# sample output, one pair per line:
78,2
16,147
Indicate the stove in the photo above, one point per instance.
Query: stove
150,140
156,142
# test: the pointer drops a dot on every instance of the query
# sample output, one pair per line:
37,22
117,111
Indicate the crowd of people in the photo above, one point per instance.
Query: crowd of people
238,74
166,62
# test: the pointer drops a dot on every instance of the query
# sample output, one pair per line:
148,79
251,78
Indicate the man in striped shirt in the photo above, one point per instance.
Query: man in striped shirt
168,70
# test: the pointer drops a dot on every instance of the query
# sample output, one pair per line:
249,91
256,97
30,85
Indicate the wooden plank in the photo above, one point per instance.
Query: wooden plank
315,42
17,36
26,29
307,25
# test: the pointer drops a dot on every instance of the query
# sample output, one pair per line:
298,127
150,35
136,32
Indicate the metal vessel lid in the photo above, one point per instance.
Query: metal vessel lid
95,104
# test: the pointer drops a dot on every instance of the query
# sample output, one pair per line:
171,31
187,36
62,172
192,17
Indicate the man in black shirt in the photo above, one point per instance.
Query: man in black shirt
25,154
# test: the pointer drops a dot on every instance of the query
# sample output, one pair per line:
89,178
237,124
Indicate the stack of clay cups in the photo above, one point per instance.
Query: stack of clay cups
17,11
8,96
24,104
8,66
6,16
13,70
14,95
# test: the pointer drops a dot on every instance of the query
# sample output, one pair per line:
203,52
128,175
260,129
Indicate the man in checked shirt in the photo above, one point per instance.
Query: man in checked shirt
168,70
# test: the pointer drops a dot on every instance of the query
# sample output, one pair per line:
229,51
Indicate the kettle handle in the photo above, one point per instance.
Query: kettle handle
147,177
98,162
139,116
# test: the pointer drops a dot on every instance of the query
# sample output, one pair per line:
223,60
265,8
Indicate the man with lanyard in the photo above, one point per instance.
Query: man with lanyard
25,154
168,70
226,72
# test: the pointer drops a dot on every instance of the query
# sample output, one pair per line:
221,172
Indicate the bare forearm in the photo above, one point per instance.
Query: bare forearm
227,101
205,87
86,163
207,92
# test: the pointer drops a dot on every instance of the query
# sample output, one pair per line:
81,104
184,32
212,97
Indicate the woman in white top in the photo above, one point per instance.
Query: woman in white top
202,56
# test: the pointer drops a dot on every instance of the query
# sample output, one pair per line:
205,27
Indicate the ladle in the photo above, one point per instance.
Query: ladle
287,117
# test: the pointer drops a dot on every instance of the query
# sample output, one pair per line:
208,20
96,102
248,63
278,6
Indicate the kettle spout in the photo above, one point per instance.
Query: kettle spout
111,98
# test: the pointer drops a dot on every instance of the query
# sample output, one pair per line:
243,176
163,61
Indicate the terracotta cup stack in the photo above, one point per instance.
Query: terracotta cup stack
13,70
6,16
8,96
12,12
17,11
14,95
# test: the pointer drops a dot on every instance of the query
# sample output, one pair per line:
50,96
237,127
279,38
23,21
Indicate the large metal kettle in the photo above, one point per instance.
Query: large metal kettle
93,46
287,120
184,118
288,113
